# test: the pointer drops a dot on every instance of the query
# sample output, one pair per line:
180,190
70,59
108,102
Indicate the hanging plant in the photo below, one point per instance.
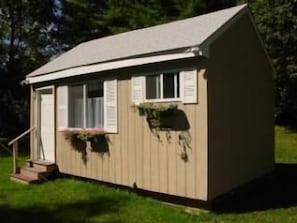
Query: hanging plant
84,135
82,139
154,113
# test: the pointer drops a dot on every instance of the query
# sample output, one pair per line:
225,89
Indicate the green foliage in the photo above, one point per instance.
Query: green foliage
277,23
26,42
94,19
155,110
83,134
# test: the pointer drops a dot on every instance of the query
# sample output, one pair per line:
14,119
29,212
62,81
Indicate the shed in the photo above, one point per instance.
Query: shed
183,109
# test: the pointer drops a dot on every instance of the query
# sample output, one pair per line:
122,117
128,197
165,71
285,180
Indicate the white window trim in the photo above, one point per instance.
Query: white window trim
62,125
161,99
85,89
164,100
185,99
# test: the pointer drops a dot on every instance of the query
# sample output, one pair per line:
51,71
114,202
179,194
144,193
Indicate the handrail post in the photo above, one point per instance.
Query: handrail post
15,148
15,156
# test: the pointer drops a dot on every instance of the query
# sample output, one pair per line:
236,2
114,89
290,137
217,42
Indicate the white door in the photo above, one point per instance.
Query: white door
46,126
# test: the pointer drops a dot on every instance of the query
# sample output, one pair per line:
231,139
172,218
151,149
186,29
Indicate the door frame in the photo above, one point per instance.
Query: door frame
39,92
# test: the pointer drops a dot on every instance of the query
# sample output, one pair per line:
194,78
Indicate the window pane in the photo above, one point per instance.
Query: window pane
168,85
95,106
153,87
76,106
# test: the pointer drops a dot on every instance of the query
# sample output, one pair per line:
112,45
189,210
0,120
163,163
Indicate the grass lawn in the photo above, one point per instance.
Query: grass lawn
272,199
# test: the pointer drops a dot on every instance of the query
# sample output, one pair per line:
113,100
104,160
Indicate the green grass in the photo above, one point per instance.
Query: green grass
286,145
272,199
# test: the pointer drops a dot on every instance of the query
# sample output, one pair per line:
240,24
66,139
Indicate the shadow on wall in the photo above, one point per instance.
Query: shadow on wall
275,190
175,121
98,144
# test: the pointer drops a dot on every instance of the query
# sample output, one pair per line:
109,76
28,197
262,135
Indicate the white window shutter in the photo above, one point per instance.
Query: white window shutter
110,106
62,107
188,80
138,89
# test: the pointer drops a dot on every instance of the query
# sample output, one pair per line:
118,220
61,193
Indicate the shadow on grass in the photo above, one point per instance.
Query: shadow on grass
276,190
74,212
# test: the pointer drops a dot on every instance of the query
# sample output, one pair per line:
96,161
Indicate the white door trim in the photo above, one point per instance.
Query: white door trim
40,91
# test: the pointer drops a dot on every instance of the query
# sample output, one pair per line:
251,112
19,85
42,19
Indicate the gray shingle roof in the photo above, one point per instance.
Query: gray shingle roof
161,38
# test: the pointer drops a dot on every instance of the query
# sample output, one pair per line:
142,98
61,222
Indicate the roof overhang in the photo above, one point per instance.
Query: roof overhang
107,66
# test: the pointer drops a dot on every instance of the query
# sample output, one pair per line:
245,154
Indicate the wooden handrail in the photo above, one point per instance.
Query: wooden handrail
21,135
15,148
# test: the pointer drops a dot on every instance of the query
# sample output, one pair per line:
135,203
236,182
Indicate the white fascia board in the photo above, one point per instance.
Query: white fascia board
71,72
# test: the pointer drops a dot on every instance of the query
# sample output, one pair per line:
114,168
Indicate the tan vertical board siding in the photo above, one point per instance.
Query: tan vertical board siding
92,171
172,170
180,163
60,142
130,138
140,153
154,162
163,164
111,164
123,121
99,165
137,156
240,99
201,139
191,151
145,165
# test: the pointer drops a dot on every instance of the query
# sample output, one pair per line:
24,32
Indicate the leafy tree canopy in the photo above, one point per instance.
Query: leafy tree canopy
277,24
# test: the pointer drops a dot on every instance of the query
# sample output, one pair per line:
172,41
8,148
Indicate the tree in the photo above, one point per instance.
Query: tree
79,21
277,23
94,19
25,42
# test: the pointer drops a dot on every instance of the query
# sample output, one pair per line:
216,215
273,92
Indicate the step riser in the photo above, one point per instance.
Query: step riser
30,173
40,166
19,180
50,168
23,179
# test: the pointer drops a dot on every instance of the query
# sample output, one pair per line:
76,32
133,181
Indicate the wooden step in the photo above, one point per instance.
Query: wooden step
43,165
24,179
35,171
32,172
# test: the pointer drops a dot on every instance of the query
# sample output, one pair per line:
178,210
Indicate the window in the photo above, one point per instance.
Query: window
95,105
162,86
181,85
86,105
76,106
90,105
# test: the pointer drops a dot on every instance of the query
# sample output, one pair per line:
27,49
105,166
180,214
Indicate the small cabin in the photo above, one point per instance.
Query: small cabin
183,109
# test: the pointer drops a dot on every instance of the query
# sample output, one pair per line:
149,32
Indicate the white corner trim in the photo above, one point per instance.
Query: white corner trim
108,66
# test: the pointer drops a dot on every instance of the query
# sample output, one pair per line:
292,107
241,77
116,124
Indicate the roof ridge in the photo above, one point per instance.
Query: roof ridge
241,6
159,38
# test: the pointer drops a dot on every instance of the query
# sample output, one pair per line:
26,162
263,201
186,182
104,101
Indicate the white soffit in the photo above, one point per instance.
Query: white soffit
71,72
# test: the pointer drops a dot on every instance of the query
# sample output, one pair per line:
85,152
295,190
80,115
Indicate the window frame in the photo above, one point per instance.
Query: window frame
160,74
85,94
